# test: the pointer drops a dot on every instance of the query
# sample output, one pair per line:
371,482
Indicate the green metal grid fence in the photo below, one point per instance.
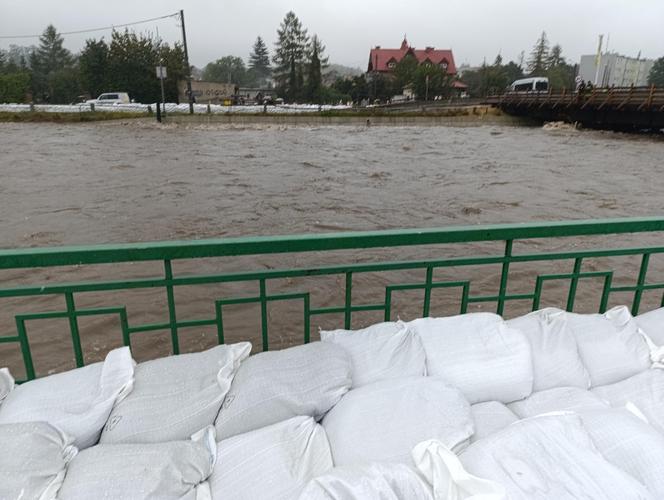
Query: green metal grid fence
167,252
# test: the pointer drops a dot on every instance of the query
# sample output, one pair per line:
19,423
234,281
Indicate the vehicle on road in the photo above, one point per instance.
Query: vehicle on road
111,98
536,83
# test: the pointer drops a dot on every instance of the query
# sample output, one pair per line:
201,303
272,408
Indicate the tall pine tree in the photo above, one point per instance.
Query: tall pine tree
52,69
538,56
314,75
259,63
289,57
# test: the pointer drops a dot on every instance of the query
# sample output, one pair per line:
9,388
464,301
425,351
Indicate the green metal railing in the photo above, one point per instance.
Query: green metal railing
167,252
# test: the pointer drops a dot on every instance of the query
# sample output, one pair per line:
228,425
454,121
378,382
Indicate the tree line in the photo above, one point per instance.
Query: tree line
49,73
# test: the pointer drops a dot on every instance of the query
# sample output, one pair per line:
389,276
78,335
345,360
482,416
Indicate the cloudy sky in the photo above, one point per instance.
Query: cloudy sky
473,29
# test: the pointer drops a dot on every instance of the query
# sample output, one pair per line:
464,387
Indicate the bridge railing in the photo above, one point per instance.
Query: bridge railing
640,98
429,254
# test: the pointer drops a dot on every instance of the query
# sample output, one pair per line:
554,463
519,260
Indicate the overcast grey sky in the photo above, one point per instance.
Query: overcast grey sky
473,29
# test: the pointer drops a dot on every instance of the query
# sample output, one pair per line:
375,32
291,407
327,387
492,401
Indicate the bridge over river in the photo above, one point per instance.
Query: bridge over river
624,108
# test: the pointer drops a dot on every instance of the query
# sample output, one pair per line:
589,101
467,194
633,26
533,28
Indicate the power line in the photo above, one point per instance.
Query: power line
105,28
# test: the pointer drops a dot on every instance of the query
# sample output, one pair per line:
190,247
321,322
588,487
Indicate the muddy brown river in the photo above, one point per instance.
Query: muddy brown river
132,182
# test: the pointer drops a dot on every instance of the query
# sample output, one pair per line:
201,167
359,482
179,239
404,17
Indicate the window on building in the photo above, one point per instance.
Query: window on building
391,65
444,64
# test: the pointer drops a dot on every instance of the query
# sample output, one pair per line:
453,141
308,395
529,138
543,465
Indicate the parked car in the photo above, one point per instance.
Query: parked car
111,98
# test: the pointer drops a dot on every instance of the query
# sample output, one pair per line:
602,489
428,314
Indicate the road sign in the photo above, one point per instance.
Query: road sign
161,72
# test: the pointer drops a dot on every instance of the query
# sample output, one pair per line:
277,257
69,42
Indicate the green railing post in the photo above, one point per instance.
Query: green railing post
172,318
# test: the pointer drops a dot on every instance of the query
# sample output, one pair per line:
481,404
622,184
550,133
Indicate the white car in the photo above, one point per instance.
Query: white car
111,98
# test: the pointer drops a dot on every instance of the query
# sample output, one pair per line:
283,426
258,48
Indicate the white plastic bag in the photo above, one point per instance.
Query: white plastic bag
33,460
164,471
549,457
450,481
645,391
270,387
380,352
78,402
375,481
175,396
557,399
6,383
479,354
274,462
610,345
556,360
630,444
652,323
383,421
489,418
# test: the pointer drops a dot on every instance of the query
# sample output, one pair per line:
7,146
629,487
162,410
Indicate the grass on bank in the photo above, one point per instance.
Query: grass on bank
88,116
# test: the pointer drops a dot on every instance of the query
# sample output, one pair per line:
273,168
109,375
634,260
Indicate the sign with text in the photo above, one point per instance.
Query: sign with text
161,72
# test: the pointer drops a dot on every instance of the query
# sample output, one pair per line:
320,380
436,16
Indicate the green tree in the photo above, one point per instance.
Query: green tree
54,77
93,66
537,63
555,57
656,75
131,62
314,77
289,56
228,69
430,81
404,72
14,87
259,63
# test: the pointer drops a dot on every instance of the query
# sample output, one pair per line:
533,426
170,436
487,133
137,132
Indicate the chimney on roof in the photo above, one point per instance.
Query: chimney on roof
377,46
428,49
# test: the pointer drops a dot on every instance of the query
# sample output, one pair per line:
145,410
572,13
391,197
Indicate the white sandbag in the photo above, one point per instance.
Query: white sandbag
383,421
630,444
610,346
549,458
479,354
33,460
556,360
164,471
6,383
270,387
489,418
380,352
78,402
557,399
375,481
450,481
652,323
176,396
645,391
274,462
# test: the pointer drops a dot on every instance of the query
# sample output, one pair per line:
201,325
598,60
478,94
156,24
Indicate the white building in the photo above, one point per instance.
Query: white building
615,70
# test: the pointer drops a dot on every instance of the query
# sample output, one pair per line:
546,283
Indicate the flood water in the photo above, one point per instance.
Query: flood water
132,182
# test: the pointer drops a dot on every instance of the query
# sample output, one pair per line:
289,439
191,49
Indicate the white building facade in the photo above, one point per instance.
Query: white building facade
615,70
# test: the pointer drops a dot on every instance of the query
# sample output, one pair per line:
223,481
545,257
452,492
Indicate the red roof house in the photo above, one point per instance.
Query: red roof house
385,60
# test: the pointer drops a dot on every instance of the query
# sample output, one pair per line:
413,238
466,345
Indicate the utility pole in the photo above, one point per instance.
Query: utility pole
187,68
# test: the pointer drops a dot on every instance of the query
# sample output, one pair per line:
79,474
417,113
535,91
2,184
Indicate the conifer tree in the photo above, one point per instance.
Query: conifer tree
259,62
314,75
289,57
538,56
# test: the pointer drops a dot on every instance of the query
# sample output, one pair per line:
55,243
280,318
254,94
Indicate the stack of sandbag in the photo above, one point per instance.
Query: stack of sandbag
155,421
270,444
77,402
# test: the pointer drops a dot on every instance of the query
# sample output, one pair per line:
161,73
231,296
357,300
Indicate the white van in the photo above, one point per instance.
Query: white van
536,83
111,98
